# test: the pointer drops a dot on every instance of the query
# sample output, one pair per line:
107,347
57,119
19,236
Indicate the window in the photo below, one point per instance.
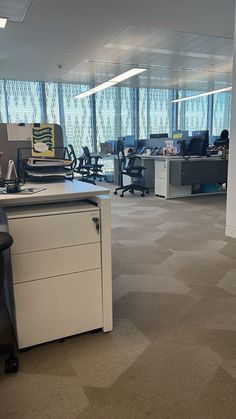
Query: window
77,116
107,115
192,114
127,111
159,111
221,112
3,113
24,101
52,103
143,121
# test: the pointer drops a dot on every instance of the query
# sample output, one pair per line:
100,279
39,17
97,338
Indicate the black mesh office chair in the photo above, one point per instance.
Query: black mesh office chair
80,166
92,160
6,349
223,140
127,167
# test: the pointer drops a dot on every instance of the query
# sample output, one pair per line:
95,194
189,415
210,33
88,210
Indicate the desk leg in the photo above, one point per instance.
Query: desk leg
104,203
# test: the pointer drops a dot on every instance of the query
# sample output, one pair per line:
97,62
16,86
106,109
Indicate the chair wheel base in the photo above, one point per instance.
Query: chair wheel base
11,365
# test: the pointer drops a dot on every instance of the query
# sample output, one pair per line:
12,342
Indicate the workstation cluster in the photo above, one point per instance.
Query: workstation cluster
177,166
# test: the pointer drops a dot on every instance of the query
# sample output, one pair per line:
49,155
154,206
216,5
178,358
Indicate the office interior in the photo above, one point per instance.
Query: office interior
163,345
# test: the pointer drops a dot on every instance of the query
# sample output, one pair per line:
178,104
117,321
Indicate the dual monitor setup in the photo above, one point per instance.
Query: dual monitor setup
183,144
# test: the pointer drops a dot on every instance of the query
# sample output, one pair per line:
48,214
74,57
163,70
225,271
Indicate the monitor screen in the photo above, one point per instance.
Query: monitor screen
159,135
202,133
129,141
197,146
178,135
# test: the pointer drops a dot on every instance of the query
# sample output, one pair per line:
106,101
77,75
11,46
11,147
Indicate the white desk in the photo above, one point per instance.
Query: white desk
176,177
61,261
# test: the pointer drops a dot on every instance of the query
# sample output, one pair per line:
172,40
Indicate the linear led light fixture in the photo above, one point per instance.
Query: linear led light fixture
3,22
225,89
123,76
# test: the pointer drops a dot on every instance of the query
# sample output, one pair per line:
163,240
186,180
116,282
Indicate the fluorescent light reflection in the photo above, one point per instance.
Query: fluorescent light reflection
126,75
212,92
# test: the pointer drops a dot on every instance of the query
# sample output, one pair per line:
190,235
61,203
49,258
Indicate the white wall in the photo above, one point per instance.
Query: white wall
231,194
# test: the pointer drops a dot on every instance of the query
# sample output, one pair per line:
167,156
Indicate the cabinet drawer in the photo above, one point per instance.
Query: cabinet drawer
44,264
160,186
53,308
32,234
161,169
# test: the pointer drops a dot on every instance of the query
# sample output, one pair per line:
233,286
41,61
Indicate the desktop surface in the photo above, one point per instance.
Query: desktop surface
54,192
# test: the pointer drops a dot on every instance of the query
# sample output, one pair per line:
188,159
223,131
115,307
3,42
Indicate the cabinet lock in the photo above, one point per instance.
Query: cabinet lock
96,222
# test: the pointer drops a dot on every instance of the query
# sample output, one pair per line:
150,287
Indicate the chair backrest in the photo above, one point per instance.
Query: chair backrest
72,155
224,135
86,152
130,161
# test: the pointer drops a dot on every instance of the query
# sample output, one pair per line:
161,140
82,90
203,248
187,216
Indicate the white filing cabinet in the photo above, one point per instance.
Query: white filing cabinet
161,177
57,270
162,181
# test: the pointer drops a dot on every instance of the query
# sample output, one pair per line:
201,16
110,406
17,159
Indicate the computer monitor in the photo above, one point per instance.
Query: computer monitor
129,141
212,139
179,135
139,144
196,146
113,145
159,135
201,133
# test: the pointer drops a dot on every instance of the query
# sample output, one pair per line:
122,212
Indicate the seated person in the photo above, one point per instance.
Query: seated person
223,139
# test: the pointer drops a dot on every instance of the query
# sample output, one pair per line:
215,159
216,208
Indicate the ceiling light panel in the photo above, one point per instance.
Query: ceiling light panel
212,92
123,76
15,10
3,22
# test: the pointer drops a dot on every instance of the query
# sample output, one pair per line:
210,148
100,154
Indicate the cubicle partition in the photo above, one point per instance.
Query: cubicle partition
12,138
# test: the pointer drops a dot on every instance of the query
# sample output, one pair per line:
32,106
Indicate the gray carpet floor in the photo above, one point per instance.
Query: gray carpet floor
172,354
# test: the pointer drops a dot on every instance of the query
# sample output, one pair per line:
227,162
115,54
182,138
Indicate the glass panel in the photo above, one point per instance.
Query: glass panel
159,111
24,101
192,114
52,103
107,111
143,123
77,117
221,112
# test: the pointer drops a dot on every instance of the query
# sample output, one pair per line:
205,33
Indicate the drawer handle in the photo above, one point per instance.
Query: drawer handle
96,222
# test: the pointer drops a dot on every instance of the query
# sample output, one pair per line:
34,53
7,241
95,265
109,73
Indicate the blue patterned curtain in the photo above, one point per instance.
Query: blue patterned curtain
192,114
115,110
107,114
143,114
76,116
221,112
24,101
159,111
3,111
127,111
52,103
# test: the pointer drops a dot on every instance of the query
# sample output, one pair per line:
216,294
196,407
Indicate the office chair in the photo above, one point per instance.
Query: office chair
92,161
7,349
80,166
223,139
127,167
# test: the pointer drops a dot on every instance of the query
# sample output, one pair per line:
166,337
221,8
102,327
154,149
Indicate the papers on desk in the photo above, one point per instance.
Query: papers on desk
27,191
48,173
37,162
47,169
